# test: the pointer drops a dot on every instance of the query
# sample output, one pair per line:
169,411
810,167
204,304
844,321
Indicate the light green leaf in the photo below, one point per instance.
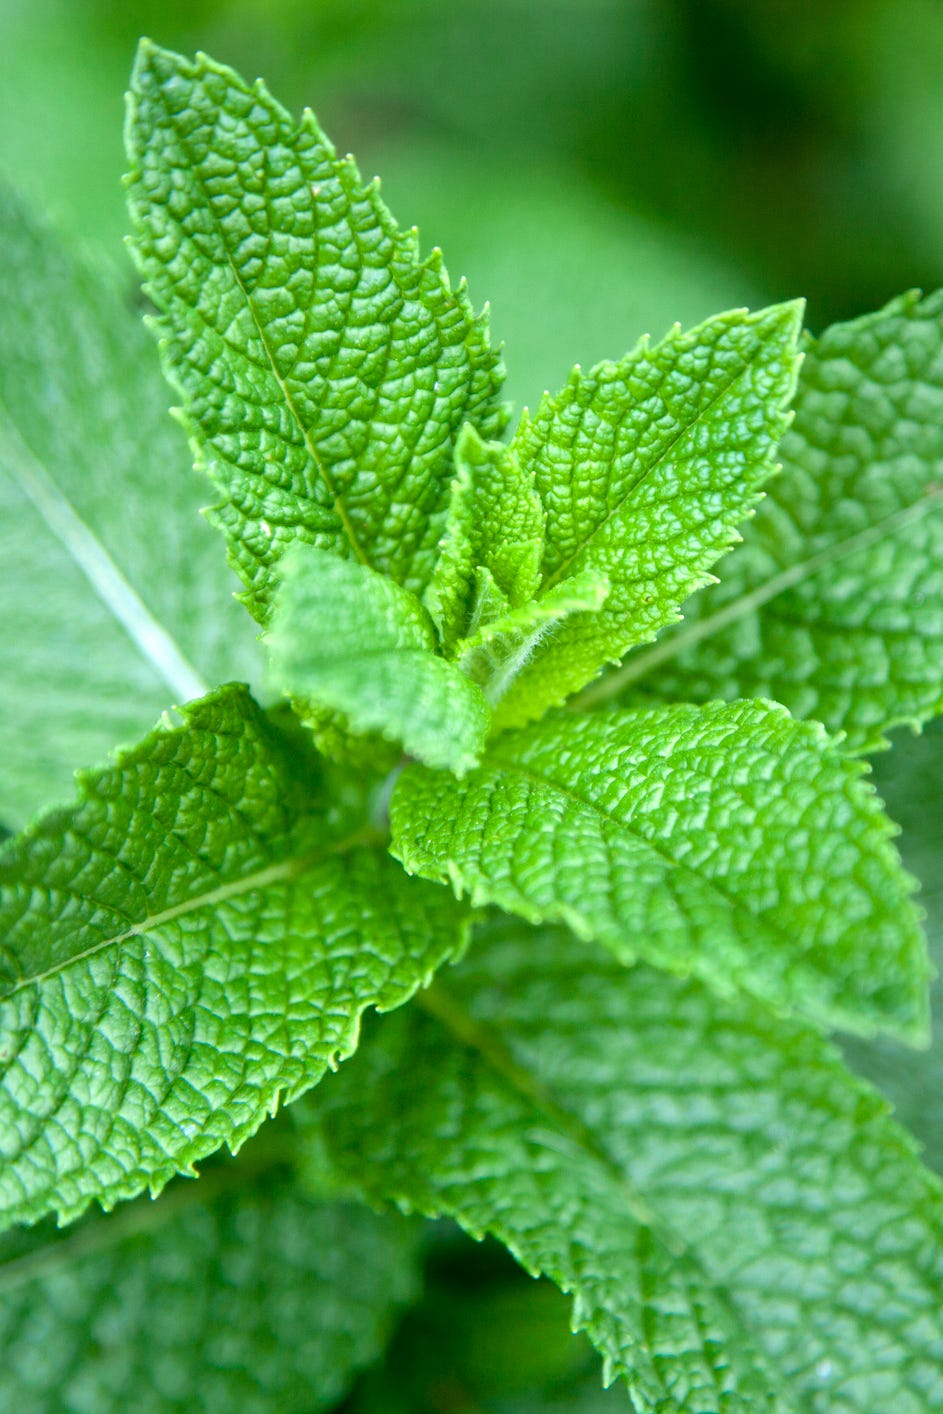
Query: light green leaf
645,468
503,646
349,639
496,525
191,945
326,369
113,597
219,1298
572,1090
726,841
834,603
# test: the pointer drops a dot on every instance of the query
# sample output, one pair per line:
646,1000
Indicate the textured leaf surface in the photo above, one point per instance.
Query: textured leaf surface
113,596
349,639
500,650
645,468
728,841
447,1124
196,939
834,603
326,370
496,524
909,778
247,1301
775,1175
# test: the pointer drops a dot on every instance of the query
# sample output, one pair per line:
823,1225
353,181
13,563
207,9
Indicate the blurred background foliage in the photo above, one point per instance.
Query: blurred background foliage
597,169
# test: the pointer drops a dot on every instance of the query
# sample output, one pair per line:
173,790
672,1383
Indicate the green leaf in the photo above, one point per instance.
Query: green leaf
496,525
213,1298
442,1121
645,468
908,778
326,369
502,647
834,603
188,947
114,601
349,639
725,841
591,1118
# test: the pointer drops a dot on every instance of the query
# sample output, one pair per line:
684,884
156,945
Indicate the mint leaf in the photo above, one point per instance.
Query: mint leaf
496,653
349,639
474,1137
495,525
549,1090
834,603
908,778
213,1298
725,841
326,369
113,597
190,945
645,468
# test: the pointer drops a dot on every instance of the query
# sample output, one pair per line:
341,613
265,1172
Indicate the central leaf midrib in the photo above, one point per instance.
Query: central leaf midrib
562,569
283,871
336,498
155,644
640,665
736,905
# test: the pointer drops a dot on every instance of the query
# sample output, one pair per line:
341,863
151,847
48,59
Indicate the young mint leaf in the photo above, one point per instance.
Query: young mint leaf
112,593
645,468
349,639
497,652
213,1299
834,602
726,841
495,525
191,944
763,1166
326,370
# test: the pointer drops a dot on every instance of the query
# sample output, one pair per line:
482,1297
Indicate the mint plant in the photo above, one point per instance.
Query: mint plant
485,737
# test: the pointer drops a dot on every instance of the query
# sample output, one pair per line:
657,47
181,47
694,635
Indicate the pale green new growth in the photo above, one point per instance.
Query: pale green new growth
498,651
195,941
204,1300
834,603
727,841
346,638
113,596
645,468
495,526
326,369
553,1090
